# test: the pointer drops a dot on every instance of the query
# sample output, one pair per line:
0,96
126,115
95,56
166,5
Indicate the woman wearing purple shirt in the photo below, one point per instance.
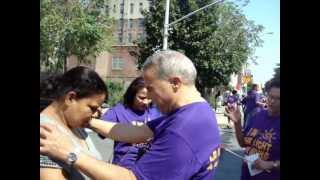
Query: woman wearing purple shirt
136,109
232,101
252,104
184,142
262,136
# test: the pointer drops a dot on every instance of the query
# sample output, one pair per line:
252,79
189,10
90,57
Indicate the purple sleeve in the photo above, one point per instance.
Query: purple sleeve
110,115
169,158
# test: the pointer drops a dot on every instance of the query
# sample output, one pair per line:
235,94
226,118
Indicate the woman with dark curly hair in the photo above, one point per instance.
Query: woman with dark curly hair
76,95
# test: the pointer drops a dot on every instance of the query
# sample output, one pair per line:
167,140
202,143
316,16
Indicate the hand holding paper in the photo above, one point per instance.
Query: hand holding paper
250,161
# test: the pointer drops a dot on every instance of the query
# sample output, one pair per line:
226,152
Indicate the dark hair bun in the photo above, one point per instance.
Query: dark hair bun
82,80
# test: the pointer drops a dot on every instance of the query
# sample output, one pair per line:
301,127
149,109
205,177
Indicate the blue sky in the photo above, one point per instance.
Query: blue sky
266,13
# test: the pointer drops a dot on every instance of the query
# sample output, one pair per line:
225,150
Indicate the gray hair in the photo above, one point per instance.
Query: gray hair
172,63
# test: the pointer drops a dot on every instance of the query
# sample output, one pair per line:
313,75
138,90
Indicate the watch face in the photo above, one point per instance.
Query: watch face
72,157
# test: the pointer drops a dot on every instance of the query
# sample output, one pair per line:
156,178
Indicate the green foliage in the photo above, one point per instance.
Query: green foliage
219,40
116,91
74,27
229,87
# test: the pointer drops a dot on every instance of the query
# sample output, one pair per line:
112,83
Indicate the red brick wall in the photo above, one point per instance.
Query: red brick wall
103,65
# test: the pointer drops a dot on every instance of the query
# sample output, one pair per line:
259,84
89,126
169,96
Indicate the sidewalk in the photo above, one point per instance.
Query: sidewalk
229,166
222,119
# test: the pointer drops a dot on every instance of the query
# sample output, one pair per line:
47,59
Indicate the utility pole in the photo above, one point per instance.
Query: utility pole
166,26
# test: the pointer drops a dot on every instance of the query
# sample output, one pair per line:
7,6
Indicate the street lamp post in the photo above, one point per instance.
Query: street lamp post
166,20
166,26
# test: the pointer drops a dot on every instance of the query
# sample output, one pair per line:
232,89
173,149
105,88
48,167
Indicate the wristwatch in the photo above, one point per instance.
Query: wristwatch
73,157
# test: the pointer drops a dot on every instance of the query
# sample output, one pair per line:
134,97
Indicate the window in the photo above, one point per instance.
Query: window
129,37
121,8
107,10
131,8
140,7
130,23
117,63
120,24
119,27
120,37
141,23
114,8
141,36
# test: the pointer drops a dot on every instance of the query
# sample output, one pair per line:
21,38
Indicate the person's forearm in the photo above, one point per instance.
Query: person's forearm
52,174
96,169
121,132
101,127
239,134
261,104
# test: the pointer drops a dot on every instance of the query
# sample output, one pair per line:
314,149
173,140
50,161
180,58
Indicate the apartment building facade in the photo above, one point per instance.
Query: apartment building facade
129,27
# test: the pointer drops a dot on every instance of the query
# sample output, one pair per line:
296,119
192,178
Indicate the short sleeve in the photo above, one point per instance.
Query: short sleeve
47,162
110,115
169,157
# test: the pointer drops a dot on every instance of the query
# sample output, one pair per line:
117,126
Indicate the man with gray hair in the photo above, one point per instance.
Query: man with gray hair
184,142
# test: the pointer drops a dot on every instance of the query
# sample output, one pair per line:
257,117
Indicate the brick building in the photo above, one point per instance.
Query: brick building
120,65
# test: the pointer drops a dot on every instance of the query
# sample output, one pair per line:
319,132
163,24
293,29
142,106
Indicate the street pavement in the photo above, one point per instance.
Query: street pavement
229,167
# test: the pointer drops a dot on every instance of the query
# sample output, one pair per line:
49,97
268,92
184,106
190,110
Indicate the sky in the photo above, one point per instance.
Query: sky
266,13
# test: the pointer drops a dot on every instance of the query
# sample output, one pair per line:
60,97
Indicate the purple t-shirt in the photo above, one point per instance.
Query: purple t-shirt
262,136
126,153
232,99
184,145
251,101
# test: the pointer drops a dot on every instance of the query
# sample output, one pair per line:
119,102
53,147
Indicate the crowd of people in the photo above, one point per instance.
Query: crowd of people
163,128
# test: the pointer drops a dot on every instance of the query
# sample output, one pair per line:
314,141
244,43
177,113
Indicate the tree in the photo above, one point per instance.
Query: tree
72,27
116,91
219,40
